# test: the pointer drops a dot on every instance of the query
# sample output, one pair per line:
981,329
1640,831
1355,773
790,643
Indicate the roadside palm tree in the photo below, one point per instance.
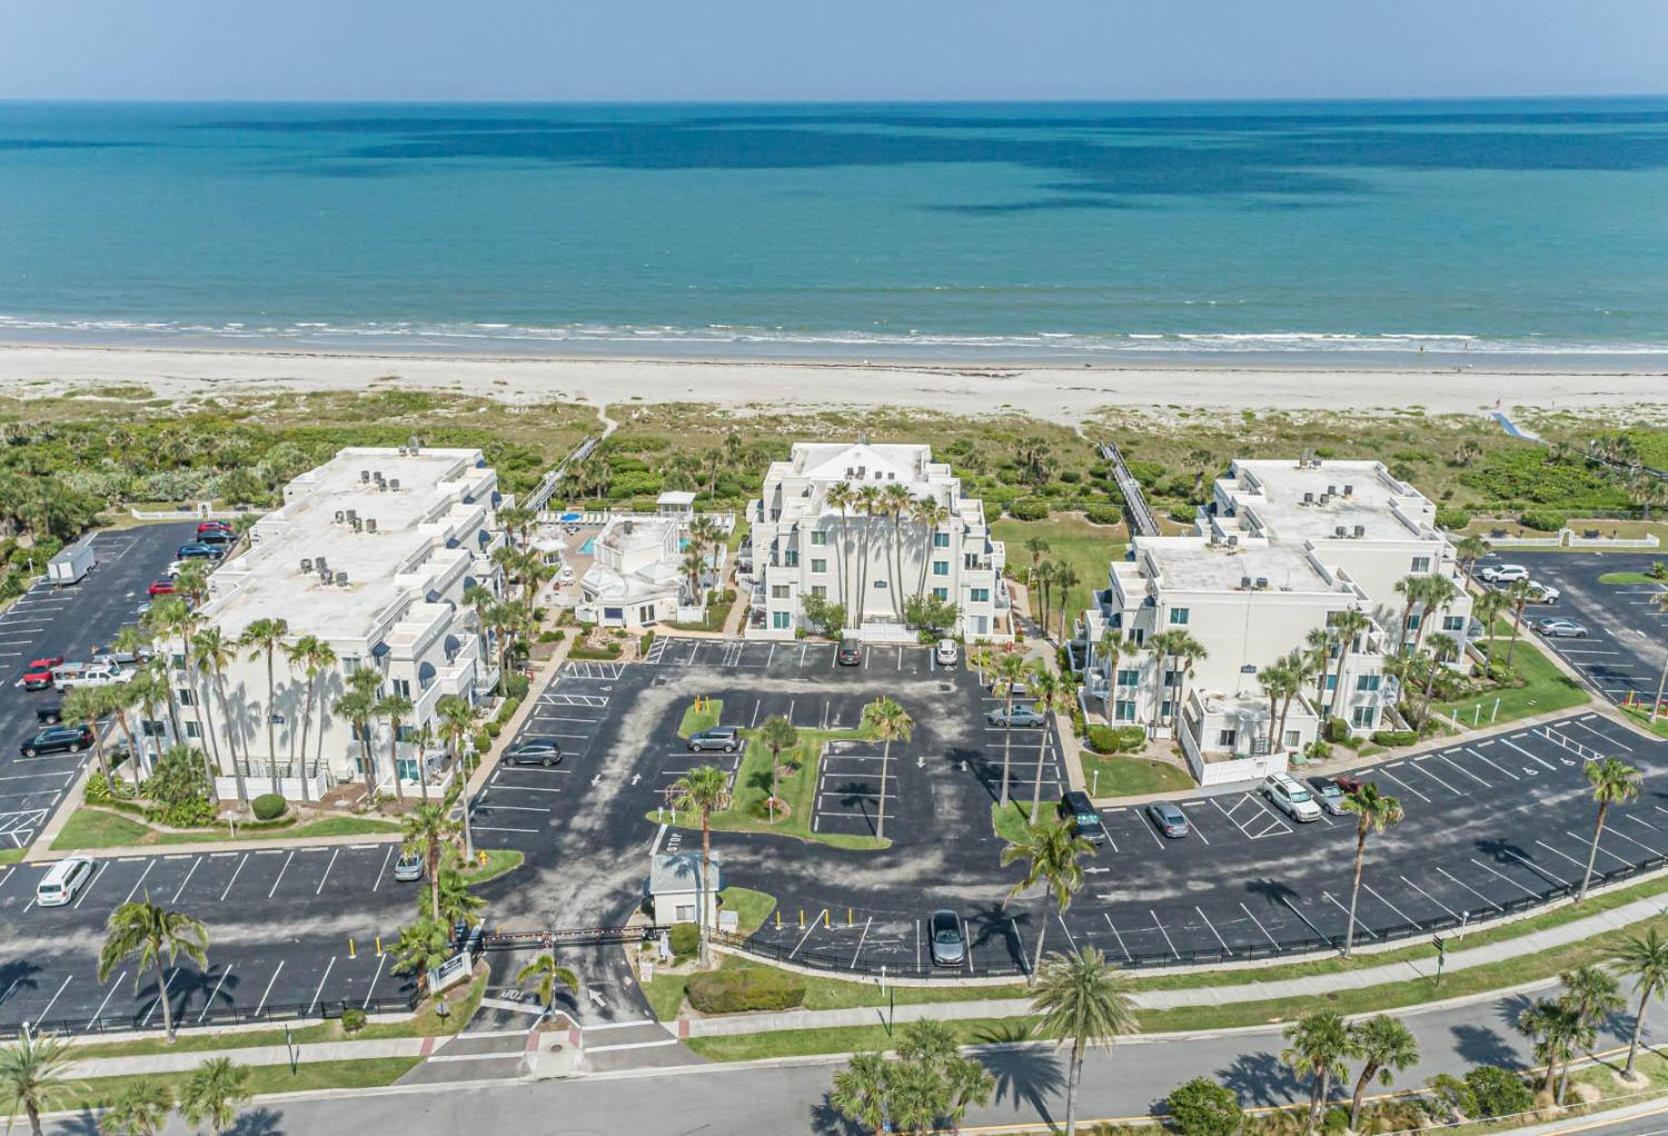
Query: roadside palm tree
1518,596
1486,608
214,656
1083,999
141,1109
1614,782
1594,994
1660,603
457,725
1051,848
1053,694
1374,812
88,706
457,903
889,722
1645,959
263,637
548,974
705,790
214,1093
1554,1029
153,937
313,657
1346,626
394,708
862,1091
421,947
34,1077
426,831
776,735
1385,1047
1316,1045
1010,672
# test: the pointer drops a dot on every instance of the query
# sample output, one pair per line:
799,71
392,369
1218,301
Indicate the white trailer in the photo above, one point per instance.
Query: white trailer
70,565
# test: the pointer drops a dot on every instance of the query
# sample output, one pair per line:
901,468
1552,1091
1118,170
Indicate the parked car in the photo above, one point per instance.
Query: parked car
1289,796
1076,807
1168,819
1560,628
1543,593
38,674
408,868
206,527
1020,715
1502,574
199,551
161,587
49,713
58,739
850,654
534,751
946,653
1348,783
63,880
725,738
1327,795
949,945
68,676
218,538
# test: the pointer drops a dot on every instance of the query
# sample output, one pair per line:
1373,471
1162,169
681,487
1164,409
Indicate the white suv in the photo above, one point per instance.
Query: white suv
1502,574
946,653
1291,798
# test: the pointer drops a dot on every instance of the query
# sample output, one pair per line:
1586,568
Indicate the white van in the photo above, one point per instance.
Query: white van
1291,797
71,675
63,881
946,653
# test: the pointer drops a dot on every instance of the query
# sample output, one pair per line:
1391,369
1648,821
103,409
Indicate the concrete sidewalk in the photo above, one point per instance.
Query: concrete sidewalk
1297,989
310,1053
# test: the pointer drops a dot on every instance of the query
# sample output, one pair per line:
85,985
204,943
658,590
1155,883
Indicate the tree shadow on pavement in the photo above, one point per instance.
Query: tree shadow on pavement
1261,1079
1481,1045
257,1122
1026,1075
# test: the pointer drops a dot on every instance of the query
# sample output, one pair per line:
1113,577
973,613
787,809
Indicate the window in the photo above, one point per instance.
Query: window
1164,710
408,733
941,540
1364,717
940,567
152,728
192,730
941,593
1129,676
779,591
1225,739
1171,678
819,537
819,567
1123,711
1332,682
1421,564
1413,621
1178,616
402,687
791,558
1453,623
186,698
978,595
781,620
1294,738
1367,682
820,591
351,663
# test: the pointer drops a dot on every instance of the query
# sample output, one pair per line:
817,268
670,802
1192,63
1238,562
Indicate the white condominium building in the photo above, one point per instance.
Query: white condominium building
370,553
830,525
1283,550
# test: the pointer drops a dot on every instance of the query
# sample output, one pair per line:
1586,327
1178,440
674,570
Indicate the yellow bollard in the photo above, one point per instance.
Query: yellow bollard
379,946
825,924
848,917
778,918
802,919
351,952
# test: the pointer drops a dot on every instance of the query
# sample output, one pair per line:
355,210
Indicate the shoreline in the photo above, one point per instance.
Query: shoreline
1049,390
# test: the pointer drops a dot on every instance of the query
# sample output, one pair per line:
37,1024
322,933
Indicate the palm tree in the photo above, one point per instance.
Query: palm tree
313,656
1594,994
1435,595
1042,578
1187,652
862,1091
894,505
214,656
1316,1045
1444,649
1083,998
1660,603
34,1074
1158,646
395,708
1555,1029
457,903
1645,958
358,706
140,1110
1518,596
1409,588
1280,682
694,564
1385,1047
707,791
1614,782
1009,672
1053,694
121,698
1065,578
1374,812
426,831
89,705
1113,643
842,496
1346,625
154,937
931,515
1470,549
778,734
889,722
262,637
457,723
191,581
421,947
1051,848
215,1092
1486,608
1316,651
549,975
163,618
868,505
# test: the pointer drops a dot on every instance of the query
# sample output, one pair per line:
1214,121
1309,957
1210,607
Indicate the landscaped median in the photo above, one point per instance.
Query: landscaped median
91,827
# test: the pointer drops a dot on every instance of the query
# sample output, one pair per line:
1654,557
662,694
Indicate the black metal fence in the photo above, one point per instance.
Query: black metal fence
225,1016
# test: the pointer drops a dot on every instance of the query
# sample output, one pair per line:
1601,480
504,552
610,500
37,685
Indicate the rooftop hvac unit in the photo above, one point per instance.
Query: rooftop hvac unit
413,444
320,563
340,516
1245,583
394,485
359,527
1262,583
1340,531
364,475
306,565
1308,498
352,516
1360,531
1233,540
1324,498
341,579
1349,491
370,524
1331,490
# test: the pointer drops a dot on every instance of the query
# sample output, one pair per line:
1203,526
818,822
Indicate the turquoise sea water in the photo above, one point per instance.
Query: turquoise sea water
1523,230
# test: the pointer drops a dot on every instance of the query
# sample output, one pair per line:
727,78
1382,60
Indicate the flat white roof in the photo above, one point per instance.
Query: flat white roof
1356,493
1191,563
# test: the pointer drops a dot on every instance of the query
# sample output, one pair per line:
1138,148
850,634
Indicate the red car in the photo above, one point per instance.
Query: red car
162,587
1348,782
213,526
38,674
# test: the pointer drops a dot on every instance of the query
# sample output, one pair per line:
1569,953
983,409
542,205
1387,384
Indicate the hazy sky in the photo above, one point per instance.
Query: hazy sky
821,49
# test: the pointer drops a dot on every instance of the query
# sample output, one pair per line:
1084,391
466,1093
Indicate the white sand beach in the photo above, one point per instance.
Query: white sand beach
1064,394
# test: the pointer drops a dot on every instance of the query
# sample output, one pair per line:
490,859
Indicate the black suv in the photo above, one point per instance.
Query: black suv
58,739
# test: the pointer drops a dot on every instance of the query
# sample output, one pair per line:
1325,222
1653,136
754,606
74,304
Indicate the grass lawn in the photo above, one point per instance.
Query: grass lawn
796,784
752,908
709,713
11,855
1629,578
1010,822
1545,689
96,1092
1642,717
101,828
1113,776
498,861
1071,540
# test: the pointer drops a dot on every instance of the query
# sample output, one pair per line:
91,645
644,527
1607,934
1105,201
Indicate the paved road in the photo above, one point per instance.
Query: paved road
791,1098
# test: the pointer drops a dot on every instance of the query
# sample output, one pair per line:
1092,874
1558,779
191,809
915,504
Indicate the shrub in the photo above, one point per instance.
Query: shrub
1453,518
1395,737
1317,750
1184,514
353,1020
1029,509
646,642
738,991
269,806
193,813
483,741
582,650
1451,1096
1497,1091
1202,1107
686,940
1116,739
515,686
493,728
1103,514
1541,520
1336,1121
1336,730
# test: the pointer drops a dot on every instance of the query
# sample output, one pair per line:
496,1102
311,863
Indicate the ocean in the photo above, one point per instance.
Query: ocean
1518,232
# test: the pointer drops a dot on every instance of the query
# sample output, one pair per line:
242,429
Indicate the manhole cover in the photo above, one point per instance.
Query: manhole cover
946,688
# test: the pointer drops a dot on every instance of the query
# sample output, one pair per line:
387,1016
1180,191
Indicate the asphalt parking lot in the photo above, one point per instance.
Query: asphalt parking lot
71,622
1627,635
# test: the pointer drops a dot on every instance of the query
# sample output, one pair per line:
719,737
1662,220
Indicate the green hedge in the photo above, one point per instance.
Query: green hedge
1453,519
685,940
1029,509
1498,1092
1184,514
1542,520
1395,737
738,991
1116,739
1104,514
268,806
586,651
516,686
1336,730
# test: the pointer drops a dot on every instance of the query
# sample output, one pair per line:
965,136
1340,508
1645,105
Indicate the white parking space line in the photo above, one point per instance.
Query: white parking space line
1385,770
1165,933
1070,938
1359,926
1318,932
1429,896
1603,851
233,880
215,993
1534,867
1524,888
327,968
1617,832
861,939
1271,939
280,878
267,993
1462,769
1456,880
491,828
86,891
48,1009
1370,890
1601,734
1419,765
1536,758
1208,923
111,993
1127,956
181,889
320,889
1501,768
375,978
